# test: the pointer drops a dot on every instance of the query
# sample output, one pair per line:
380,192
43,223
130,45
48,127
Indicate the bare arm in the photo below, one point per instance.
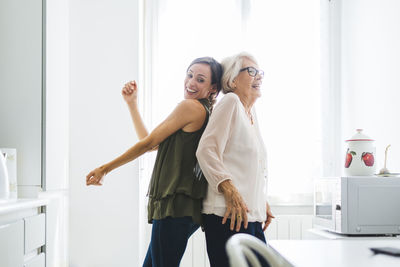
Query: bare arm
185,113
129,92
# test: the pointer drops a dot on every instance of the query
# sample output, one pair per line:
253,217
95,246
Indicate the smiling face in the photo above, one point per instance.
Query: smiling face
246,84
198,82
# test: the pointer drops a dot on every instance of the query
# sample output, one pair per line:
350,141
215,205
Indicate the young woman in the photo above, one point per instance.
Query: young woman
177,188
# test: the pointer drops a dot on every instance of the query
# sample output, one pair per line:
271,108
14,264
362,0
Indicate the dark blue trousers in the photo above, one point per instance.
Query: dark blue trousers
217,234
169,237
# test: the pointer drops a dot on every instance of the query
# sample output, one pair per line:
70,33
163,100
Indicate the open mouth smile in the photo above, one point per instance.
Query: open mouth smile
191,91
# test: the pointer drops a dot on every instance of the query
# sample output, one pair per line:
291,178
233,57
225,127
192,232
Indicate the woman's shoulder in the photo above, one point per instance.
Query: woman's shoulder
231,97
229,100
191,106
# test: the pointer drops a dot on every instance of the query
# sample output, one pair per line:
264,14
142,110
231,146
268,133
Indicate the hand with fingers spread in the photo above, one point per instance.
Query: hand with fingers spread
236,208
96,176
269,218
130,93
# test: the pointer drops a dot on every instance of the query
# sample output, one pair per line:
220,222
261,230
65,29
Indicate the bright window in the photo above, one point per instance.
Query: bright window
284,36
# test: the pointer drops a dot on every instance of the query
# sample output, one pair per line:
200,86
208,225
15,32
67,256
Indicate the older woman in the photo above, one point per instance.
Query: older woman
232,155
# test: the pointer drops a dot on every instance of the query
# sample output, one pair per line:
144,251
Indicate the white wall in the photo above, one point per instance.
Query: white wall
57,94
104,55
370,74
57,131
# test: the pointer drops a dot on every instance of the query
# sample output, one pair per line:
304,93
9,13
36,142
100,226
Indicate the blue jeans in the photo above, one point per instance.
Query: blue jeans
217,234
169,237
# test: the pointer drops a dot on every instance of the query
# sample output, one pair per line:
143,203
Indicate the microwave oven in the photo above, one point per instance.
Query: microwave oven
358,205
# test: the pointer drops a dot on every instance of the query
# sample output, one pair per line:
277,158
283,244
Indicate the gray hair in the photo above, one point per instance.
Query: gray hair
231,66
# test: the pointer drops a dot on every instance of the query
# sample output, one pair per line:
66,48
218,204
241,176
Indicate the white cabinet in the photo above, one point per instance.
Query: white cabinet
23,234
21,238
35,232
38,261
12,244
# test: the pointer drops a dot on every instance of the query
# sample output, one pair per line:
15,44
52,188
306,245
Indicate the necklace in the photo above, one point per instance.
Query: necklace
250,116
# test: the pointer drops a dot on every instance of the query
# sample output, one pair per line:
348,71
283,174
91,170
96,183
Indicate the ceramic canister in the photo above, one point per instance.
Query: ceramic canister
360,155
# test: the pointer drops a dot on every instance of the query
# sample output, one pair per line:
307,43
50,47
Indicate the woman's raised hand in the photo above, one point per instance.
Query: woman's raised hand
236,209
129,92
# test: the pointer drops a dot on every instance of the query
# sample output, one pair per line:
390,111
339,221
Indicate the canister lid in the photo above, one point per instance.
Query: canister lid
359,136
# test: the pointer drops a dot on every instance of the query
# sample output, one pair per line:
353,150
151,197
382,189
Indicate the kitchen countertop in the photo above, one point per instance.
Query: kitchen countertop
315,233
20,204
342,252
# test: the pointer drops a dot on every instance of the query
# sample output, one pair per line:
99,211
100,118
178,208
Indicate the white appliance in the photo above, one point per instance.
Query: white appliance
358,205
4,182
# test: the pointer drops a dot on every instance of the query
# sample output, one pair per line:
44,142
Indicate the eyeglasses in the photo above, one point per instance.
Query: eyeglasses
253,71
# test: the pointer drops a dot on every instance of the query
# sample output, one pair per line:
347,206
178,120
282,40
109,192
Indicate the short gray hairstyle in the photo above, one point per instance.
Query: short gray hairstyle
231,66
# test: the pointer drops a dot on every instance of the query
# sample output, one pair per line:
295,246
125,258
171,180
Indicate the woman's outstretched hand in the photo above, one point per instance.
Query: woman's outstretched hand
130,92
236,209
96,176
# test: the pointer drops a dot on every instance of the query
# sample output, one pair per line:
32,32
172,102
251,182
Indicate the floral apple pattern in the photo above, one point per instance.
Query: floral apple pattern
349,158
368,159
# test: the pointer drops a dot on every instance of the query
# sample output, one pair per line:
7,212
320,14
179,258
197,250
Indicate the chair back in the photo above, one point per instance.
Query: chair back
242,246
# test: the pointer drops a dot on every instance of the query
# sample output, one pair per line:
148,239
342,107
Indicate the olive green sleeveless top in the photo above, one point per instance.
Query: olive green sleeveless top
177,185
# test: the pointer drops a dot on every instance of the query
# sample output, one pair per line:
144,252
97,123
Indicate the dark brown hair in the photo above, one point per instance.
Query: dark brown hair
216,74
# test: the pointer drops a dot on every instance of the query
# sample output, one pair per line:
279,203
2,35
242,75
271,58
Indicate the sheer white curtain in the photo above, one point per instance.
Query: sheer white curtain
284,36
